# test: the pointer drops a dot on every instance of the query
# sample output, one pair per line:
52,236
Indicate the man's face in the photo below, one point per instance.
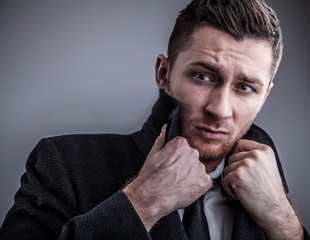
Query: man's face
220,84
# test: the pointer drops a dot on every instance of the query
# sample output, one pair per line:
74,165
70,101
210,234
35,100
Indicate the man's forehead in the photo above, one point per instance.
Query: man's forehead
214,48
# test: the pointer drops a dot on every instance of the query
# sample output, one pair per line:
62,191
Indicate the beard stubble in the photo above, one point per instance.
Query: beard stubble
205,156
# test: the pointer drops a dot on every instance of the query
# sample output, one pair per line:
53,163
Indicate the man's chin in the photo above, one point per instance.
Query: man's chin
211,149
213,152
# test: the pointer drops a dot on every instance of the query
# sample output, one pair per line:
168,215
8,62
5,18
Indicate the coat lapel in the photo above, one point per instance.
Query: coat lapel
169,227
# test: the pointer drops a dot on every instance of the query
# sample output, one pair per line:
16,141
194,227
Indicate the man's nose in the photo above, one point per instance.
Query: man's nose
219,103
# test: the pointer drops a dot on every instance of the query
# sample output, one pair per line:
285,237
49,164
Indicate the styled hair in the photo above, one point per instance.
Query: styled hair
239,18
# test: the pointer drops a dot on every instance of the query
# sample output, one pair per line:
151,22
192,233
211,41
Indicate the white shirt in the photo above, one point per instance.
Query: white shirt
218,209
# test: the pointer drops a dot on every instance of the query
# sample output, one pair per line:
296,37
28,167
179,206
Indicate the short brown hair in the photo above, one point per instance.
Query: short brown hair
239,18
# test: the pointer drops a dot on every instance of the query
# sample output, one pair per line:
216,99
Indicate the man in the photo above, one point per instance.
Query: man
222,58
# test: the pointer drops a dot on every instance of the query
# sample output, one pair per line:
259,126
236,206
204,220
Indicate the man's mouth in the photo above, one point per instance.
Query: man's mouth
212,134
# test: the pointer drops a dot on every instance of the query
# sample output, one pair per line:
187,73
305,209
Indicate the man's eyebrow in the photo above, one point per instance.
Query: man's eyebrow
242,77
204,65
251,79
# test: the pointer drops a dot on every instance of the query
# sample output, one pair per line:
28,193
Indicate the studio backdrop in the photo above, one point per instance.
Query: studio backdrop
88,67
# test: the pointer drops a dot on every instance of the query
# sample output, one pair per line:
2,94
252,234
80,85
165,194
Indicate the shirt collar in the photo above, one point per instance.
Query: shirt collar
217,171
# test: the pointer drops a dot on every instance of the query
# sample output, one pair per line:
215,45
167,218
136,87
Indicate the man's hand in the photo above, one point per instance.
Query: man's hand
252,176
172,177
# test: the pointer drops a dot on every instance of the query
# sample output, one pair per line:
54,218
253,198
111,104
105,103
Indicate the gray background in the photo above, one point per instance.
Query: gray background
88,67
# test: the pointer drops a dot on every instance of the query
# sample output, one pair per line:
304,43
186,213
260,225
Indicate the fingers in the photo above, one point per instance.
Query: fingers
237,157
243,152
247,165
229,175
236,160
229,187
160,141
232,167
244,145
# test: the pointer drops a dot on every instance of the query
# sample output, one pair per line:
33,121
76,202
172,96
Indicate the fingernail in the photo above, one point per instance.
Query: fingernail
164,128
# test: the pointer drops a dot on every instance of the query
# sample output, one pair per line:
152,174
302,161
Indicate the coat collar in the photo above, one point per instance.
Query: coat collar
161,110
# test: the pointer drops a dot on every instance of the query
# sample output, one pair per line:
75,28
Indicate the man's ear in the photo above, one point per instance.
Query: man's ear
162,71
266,95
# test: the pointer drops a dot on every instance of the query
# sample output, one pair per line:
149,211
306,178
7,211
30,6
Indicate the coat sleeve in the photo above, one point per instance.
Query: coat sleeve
114,218
45,206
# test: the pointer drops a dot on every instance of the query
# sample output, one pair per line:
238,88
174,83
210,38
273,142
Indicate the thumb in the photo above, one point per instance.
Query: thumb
160,141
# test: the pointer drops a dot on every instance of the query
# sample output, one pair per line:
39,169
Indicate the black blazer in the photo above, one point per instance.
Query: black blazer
72,188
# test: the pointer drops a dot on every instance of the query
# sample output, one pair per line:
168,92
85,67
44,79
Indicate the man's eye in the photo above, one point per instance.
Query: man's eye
245,88
202,77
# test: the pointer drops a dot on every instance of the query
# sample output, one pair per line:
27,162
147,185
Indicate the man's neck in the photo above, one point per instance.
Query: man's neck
211,165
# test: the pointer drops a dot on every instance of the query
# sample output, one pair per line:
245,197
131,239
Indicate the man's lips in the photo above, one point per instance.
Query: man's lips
212,134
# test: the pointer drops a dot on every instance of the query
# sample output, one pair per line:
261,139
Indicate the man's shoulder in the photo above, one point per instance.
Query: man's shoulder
88,139
90,144
94,165
88,151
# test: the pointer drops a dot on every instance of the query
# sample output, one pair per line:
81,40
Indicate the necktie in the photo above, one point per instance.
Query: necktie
195,222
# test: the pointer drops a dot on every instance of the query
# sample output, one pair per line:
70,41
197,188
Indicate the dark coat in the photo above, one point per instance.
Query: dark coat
72,187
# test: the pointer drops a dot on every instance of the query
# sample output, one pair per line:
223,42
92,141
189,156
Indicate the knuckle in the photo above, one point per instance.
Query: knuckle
194,152
204,181
156,160
161,160
208,181
266,148
239,174
269,150
201,167
203,185
248,163
254,154
180,141
240,142
207,185
229,185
